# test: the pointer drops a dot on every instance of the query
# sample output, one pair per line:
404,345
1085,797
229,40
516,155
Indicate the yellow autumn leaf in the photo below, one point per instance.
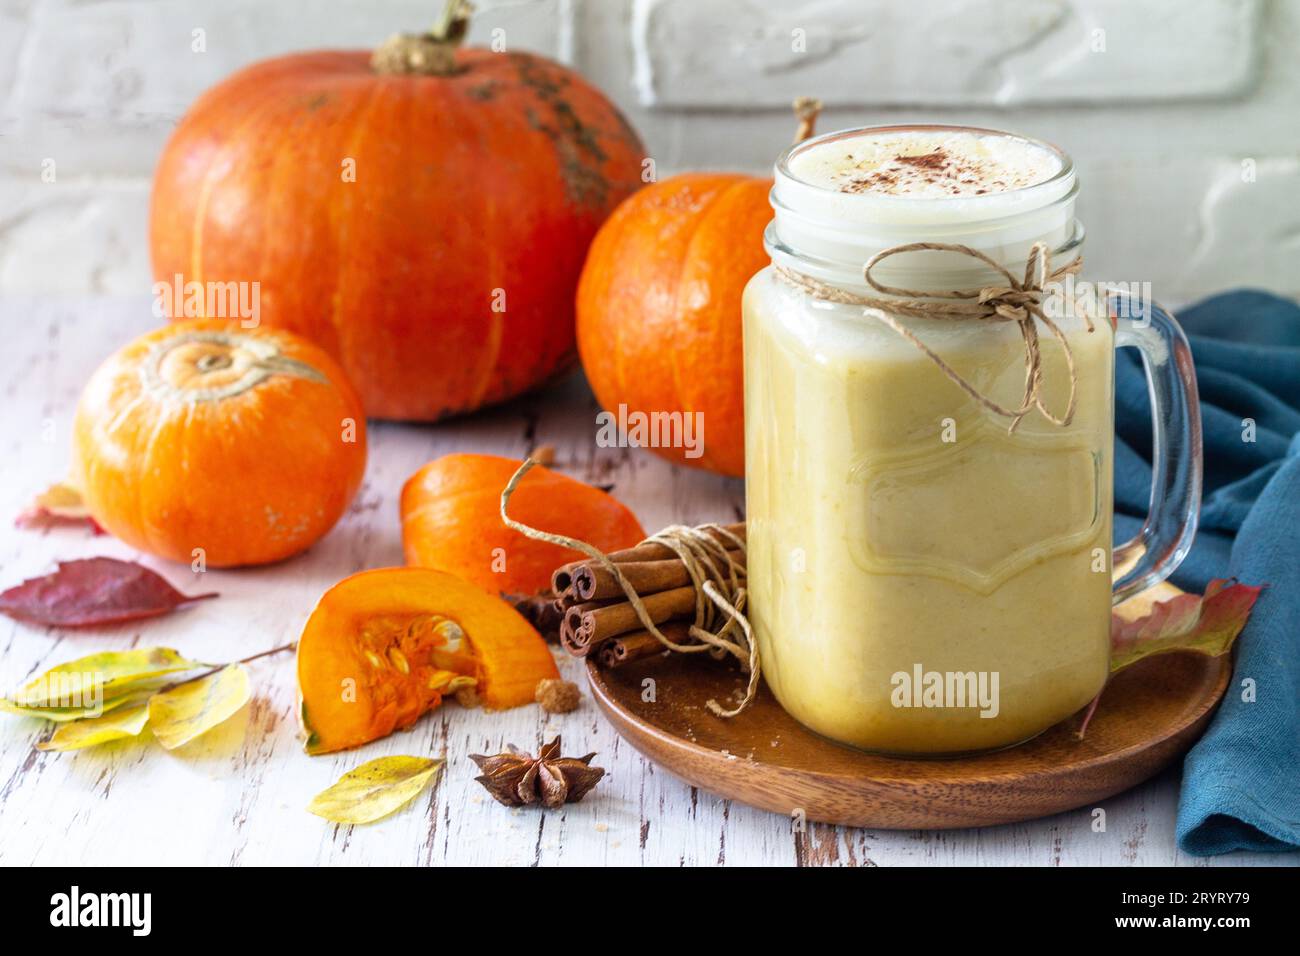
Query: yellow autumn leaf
125,722
58,504
63,501
96,679
375,789
189,710
65,714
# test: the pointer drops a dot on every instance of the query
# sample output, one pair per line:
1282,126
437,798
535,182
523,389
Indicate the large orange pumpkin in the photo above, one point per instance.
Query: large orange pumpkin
423,218
659,326
202,440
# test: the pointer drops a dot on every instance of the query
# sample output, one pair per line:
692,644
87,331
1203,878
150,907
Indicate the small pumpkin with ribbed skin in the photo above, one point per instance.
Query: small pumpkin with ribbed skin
384,647
659,306
422,212
659,325
451,520
206,440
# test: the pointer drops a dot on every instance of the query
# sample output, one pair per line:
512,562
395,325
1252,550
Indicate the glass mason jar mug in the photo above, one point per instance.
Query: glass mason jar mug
925,578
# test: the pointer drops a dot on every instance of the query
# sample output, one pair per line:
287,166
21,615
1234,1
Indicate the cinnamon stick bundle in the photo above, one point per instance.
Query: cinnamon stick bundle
595,608
714,601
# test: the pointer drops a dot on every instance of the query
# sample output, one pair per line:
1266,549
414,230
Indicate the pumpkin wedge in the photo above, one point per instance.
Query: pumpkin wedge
451,520
382,648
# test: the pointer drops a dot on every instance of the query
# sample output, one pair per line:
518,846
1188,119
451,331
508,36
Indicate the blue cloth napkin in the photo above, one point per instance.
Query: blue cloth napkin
1241,782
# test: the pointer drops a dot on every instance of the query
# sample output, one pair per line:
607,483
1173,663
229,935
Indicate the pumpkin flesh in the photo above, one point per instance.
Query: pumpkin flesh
382,648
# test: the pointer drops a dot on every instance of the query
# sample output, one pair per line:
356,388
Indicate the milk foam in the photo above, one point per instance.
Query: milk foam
844,197
925,164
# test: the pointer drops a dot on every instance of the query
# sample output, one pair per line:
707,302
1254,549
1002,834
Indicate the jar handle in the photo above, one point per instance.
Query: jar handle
1176,451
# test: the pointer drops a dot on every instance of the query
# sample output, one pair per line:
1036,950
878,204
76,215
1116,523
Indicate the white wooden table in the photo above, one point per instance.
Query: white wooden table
237,796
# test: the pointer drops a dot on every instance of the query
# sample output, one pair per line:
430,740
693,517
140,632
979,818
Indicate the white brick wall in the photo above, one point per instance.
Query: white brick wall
1183,115
935,53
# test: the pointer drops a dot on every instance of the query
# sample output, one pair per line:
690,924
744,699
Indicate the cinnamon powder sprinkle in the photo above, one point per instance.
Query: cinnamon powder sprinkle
903,174
936,160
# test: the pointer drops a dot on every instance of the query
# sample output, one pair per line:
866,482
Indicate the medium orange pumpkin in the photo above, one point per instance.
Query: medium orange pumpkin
451,520
205,440
424,218
384,647
659,307
659,327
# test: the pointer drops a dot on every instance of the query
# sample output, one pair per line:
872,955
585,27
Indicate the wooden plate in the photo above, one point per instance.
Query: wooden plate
1150,715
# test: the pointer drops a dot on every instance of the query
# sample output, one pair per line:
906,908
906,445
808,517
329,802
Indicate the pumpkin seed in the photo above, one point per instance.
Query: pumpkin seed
451,632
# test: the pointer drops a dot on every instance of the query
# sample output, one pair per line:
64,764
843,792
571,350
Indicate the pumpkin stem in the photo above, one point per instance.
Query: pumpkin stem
806,109
426,54
454,22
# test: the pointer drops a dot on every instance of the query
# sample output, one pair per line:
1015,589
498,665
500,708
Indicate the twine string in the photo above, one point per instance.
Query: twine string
1019,301
720,627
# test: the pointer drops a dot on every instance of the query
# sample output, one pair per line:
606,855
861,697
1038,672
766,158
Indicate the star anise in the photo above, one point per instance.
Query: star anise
518,779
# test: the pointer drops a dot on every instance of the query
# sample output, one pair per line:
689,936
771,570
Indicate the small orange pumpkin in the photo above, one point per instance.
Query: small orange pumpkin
383,647
206,440
451,520
658,307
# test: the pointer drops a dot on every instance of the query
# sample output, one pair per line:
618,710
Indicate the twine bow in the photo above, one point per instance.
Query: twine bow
1019,301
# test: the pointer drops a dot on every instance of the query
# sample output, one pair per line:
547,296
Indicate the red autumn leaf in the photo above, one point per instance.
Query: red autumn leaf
1185,622
1206,625
59,504
93,591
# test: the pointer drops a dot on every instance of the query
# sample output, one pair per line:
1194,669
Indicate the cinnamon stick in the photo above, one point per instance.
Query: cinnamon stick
591,623
595,582
571,644
635,645
562,578
571,624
